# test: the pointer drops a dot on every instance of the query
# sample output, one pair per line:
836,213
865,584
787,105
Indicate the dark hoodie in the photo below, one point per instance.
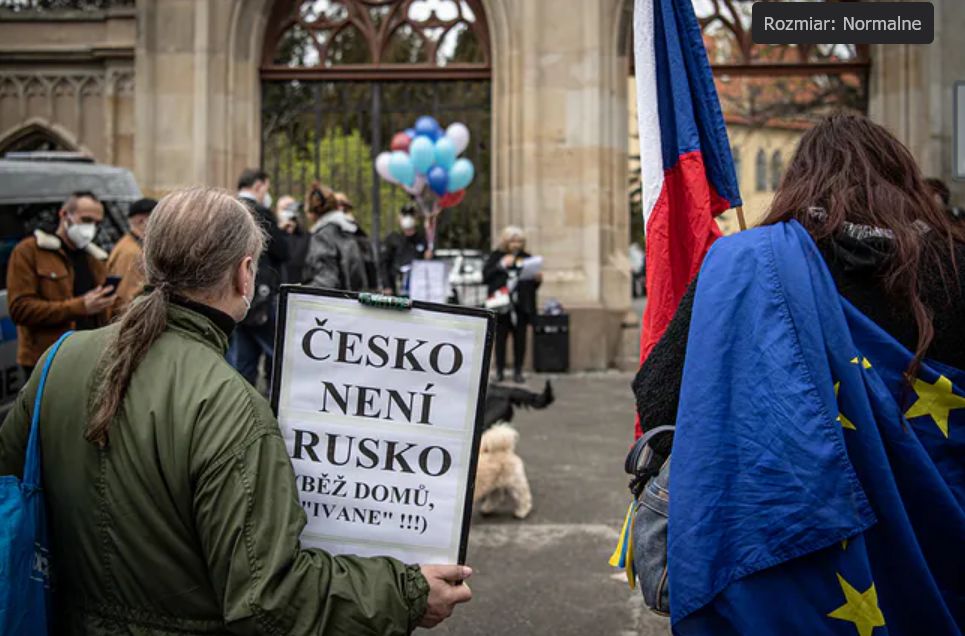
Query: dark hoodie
855,259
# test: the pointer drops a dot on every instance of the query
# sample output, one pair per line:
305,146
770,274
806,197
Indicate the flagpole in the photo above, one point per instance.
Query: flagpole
741,223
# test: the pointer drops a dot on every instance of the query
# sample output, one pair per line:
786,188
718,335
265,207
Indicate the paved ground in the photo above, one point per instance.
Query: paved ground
548,574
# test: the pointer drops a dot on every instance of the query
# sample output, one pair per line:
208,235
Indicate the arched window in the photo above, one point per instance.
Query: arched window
735,152
760,171
32,138
378,39
777,169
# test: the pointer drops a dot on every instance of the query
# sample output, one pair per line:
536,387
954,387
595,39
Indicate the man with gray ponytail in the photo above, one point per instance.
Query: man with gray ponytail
171,499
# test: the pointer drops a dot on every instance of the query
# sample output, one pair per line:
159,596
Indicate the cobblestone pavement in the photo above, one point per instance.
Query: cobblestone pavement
549,573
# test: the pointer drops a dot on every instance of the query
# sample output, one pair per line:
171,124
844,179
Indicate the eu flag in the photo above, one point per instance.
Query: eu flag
813,489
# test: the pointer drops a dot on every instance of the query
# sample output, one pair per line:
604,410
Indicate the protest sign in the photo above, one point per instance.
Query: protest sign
381,411
429,281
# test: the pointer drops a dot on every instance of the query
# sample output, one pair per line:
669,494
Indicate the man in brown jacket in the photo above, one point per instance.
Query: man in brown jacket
55,282
125,259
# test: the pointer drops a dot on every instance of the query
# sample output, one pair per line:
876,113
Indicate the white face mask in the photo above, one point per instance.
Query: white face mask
244,296
267,200
407,222
81,234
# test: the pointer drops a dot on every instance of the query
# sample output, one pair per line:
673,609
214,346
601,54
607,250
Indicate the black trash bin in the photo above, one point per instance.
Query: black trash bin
551,343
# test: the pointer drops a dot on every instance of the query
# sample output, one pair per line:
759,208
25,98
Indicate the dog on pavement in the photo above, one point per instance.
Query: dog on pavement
500,472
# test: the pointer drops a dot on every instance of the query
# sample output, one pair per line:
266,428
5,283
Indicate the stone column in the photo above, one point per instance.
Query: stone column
197,91
560,136
911,92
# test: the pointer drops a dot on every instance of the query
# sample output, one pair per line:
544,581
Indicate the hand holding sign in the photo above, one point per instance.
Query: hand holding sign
446,590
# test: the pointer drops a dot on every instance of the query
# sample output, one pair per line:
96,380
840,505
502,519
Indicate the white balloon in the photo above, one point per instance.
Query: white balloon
459,135
416,188
382,166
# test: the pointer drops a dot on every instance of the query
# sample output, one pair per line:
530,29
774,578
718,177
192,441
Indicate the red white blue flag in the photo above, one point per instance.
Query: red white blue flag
687,171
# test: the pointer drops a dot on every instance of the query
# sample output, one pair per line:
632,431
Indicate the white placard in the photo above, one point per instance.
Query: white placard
380,410
429,281
531,267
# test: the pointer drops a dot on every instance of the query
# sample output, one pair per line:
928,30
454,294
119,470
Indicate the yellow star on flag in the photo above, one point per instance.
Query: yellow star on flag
845,422
937,400
863,360
860,608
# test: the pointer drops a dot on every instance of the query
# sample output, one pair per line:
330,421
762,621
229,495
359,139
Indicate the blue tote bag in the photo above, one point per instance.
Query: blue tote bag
24,559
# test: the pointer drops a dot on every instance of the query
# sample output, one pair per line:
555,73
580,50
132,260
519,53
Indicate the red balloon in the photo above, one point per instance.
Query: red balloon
452,198
401,141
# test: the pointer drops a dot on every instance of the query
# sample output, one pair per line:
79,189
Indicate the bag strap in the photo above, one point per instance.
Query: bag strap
31,470
642,462
633,457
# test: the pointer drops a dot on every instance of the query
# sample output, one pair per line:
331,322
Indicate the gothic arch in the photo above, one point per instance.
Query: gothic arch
38,129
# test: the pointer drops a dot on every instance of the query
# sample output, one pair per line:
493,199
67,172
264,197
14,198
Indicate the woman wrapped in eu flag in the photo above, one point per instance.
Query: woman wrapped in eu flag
813,372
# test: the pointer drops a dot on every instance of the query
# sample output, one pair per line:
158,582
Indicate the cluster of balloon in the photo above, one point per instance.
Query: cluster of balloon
425,161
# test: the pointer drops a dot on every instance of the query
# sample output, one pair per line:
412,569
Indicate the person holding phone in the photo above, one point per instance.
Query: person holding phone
124,268
57,282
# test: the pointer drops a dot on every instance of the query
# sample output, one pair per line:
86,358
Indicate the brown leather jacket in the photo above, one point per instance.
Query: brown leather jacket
125,261
40,293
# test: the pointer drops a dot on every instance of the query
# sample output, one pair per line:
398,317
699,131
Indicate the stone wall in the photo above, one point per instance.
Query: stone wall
560,167
911,92
69,75
198,92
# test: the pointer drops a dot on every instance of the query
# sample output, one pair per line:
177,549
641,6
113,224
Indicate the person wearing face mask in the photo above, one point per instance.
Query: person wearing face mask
56,282
125,259
400,248
171,501
254,338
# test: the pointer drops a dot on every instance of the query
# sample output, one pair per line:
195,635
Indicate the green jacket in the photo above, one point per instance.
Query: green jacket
189,521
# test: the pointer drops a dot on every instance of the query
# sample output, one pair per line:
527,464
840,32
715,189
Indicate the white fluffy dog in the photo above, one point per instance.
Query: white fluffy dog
500,470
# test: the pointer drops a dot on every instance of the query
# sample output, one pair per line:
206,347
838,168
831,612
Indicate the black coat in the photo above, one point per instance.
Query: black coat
337,259
298,242
496,276
399,250
270,265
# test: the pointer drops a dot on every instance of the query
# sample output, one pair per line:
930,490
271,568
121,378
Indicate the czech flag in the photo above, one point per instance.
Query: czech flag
687,171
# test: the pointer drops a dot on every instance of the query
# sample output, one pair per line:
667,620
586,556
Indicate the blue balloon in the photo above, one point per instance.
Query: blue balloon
461,175
445,152
438,180
423,154
429,127
411,133
401,168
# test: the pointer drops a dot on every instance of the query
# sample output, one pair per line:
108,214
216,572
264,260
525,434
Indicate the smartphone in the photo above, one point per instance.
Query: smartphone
113,281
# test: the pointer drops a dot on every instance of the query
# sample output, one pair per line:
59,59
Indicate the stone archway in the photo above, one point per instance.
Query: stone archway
558,132
38,134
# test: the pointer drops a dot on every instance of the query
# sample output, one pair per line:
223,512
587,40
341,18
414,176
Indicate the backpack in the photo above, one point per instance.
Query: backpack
24,558
650,489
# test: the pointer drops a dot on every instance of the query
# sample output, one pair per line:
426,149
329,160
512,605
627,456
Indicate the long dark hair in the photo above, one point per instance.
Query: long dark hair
858,172
193,242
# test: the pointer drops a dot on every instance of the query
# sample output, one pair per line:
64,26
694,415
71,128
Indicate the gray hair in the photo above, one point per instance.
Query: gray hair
194,240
